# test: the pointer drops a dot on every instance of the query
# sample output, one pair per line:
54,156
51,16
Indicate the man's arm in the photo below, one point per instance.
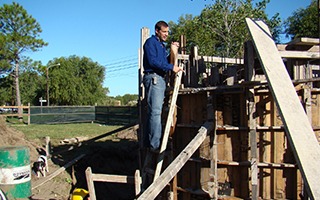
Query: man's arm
176,69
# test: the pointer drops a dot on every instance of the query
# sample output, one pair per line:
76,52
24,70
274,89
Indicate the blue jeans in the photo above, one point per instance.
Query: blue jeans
155,87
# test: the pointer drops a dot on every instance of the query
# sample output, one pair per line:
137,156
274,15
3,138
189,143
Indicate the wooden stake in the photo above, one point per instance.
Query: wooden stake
92,192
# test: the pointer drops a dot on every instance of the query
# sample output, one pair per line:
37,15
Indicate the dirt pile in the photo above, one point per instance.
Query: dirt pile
56,188
13,137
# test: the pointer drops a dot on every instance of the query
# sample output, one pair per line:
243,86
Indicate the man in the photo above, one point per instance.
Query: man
155,65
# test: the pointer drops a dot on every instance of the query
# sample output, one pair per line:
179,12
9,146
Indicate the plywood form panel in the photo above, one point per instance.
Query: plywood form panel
192,110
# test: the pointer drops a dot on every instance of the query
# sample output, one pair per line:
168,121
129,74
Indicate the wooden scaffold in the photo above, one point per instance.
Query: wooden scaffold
236,128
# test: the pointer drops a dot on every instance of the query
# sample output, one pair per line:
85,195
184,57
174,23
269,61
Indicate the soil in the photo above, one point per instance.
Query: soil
119,157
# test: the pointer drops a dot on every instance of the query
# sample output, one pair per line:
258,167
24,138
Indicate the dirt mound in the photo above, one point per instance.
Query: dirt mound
12,137
55,189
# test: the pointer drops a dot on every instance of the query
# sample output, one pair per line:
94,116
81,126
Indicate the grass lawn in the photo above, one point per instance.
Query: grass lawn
36,133
58,132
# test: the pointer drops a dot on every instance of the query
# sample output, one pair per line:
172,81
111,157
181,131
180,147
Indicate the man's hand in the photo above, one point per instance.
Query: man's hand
175,43
176,69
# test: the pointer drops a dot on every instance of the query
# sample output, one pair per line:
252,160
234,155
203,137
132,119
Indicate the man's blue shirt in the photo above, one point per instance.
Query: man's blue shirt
155,57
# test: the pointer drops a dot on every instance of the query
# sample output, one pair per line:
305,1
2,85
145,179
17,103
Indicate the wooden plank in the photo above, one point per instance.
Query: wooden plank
112,178
137,182
93,139
284,47
260,164
57,172
169,122
299,131
214,59
251,107
157,186
305,41
90,184
299,54
253,144
23,107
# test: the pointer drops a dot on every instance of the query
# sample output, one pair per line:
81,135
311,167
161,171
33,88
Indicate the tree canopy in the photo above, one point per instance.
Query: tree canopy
303,22
220,29
76,81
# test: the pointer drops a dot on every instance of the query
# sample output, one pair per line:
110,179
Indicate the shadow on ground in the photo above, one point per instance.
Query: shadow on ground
109,157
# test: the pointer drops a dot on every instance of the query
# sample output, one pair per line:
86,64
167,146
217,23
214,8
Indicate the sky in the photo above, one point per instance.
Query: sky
108,31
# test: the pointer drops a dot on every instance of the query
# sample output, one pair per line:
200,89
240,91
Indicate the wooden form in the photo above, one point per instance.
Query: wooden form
91,178
299,131
248,154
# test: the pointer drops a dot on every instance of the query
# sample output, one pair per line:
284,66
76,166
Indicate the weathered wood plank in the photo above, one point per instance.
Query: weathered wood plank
299,131
90,184
157,186
113,178
284,47
214,59
305,41
57,172
169,121
299,54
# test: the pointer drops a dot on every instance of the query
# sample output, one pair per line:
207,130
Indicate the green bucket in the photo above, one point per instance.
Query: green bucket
15,171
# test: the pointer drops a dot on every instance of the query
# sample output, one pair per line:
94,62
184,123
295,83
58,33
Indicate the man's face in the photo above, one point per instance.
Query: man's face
163,33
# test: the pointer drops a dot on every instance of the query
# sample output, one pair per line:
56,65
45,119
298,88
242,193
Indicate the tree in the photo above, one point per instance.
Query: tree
19,33
303,22
30,84
76,81
128,99
220,29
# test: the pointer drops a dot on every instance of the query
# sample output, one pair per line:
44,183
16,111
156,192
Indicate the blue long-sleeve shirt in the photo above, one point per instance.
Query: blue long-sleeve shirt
155,57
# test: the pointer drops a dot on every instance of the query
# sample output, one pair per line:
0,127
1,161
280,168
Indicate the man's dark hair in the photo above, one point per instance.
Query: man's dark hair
160,24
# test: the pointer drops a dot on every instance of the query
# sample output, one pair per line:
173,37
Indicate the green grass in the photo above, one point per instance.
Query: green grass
58,132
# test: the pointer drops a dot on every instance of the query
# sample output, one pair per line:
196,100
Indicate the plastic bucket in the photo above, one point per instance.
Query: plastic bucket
15,171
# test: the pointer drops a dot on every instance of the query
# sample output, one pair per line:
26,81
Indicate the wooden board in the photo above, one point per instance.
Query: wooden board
157,186
305,41
168,123
299,131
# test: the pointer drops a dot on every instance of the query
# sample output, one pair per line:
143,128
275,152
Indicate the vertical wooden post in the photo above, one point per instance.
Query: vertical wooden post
48,146
183,51
92,192
251,106
137,182
213,184
194,76
145,32
232,74
28,113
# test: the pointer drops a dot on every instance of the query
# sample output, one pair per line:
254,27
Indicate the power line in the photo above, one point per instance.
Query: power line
125,57
122,68
120,62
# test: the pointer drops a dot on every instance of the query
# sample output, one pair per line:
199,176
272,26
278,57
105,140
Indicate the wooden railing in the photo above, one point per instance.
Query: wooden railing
12,113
